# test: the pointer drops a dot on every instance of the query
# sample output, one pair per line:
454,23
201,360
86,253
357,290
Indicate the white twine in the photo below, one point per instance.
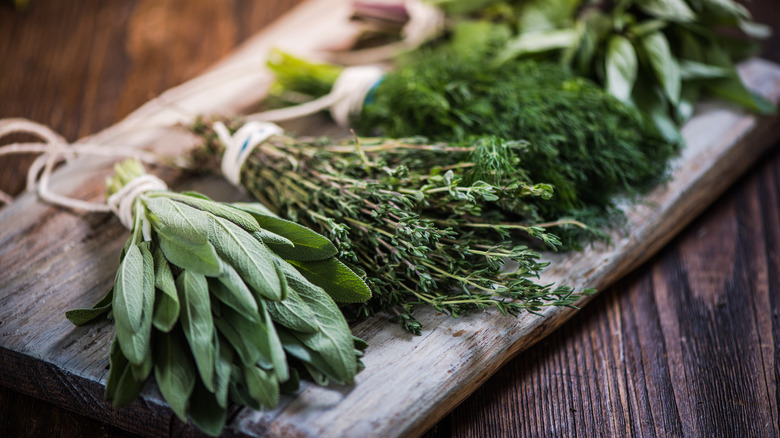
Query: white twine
55,149
241,144
344,100
121,202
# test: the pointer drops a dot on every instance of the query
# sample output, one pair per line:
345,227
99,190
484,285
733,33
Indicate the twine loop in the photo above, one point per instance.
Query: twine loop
241,144
54,149
121,202
345,99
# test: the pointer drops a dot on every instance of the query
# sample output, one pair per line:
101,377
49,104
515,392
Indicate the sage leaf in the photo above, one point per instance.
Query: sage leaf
270,238
197,322
276,350
174,371
292,312
176,218
297,349
223,363
231,290
252,340
621,67
166,303
250,258
133,303
225,211
663,64
205,411
239,392
84,316
333,341
308,244
343,285
121,386
200,257
262,386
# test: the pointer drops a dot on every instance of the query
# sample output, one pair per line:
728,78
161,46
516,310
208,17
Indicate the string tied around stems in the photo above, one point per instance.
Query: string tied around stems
241,144
54,149
344,101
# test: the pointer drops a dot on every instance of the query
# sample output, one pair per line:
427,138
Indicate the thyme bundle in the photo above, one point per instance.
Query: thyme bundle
222,302
459,235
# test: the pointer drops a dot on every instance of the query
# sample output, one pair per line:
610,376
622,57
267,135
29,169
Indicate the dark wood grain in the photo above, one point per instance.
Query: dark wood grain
687,345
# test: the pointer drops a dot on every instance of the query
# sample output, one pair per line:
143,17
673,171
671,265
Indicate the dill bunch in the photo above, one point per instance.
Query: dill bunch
585,143
451,235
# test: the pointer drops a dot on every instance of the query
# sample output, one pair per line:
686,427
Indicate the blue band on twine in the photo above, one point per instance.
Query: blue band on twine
370,96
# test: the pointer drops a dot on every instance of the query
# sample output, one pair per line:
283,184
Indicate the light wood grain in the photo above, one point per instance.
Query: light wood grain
62,279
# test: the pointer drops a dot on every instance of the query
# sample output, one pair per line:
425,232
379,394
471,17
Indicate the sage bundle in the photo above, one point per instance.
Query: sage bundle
221,302
452,226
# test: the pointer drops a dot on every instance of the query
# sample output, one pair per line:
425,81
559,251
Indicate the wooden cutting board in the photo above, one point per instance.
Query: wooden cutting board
52,260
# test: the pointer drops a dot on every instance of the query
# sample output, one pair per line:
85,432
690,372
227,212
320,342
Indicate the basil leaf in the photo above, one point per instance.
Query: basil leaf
250,258
231,290
621,67
174,371
83,316
732,88
176,218
690,70
200,257
225,211
197,323
166,303
121,386
651,102
308,245
672,10
537,42
656,49
262,386
205,411
133,302
338,281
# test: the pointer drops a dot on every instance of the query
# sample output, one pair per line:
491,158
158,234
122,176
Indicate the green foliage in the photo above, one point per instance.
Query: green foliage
190,302
445,225
586,144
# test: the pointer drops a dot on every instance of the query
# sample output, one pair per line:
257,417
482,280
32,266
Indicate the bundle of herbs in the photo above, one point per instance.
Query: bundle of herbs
453,226
659,56
222,302
584,142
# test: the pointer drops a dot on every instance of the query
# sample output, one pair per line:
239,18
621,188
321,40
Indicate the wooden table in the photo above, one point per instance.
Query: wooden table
685,346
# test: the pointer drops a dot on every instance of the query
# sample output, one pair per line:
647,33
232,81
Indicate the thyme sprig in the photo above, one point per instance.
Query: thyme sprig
459,235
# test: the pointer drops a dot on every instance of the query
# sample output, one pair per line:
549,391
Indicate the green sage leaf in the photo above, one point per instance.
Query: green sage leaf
621,67
308,245
250,258
262,386
231,290
225,211
292,312
200,257
205,411
166,303
180,219
133,302
223,363
83,316
197,323
343,285
121,386
250,339
174,371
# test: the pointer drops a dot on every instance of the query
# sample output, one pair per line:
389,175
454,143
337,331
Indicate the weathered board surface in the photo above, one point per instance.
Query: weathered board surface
409,382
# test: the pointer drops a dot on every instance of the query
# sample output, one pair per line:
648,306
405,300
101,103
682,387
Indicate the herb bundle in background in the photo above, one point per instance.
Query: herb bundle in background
452,226
588,145
223,302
